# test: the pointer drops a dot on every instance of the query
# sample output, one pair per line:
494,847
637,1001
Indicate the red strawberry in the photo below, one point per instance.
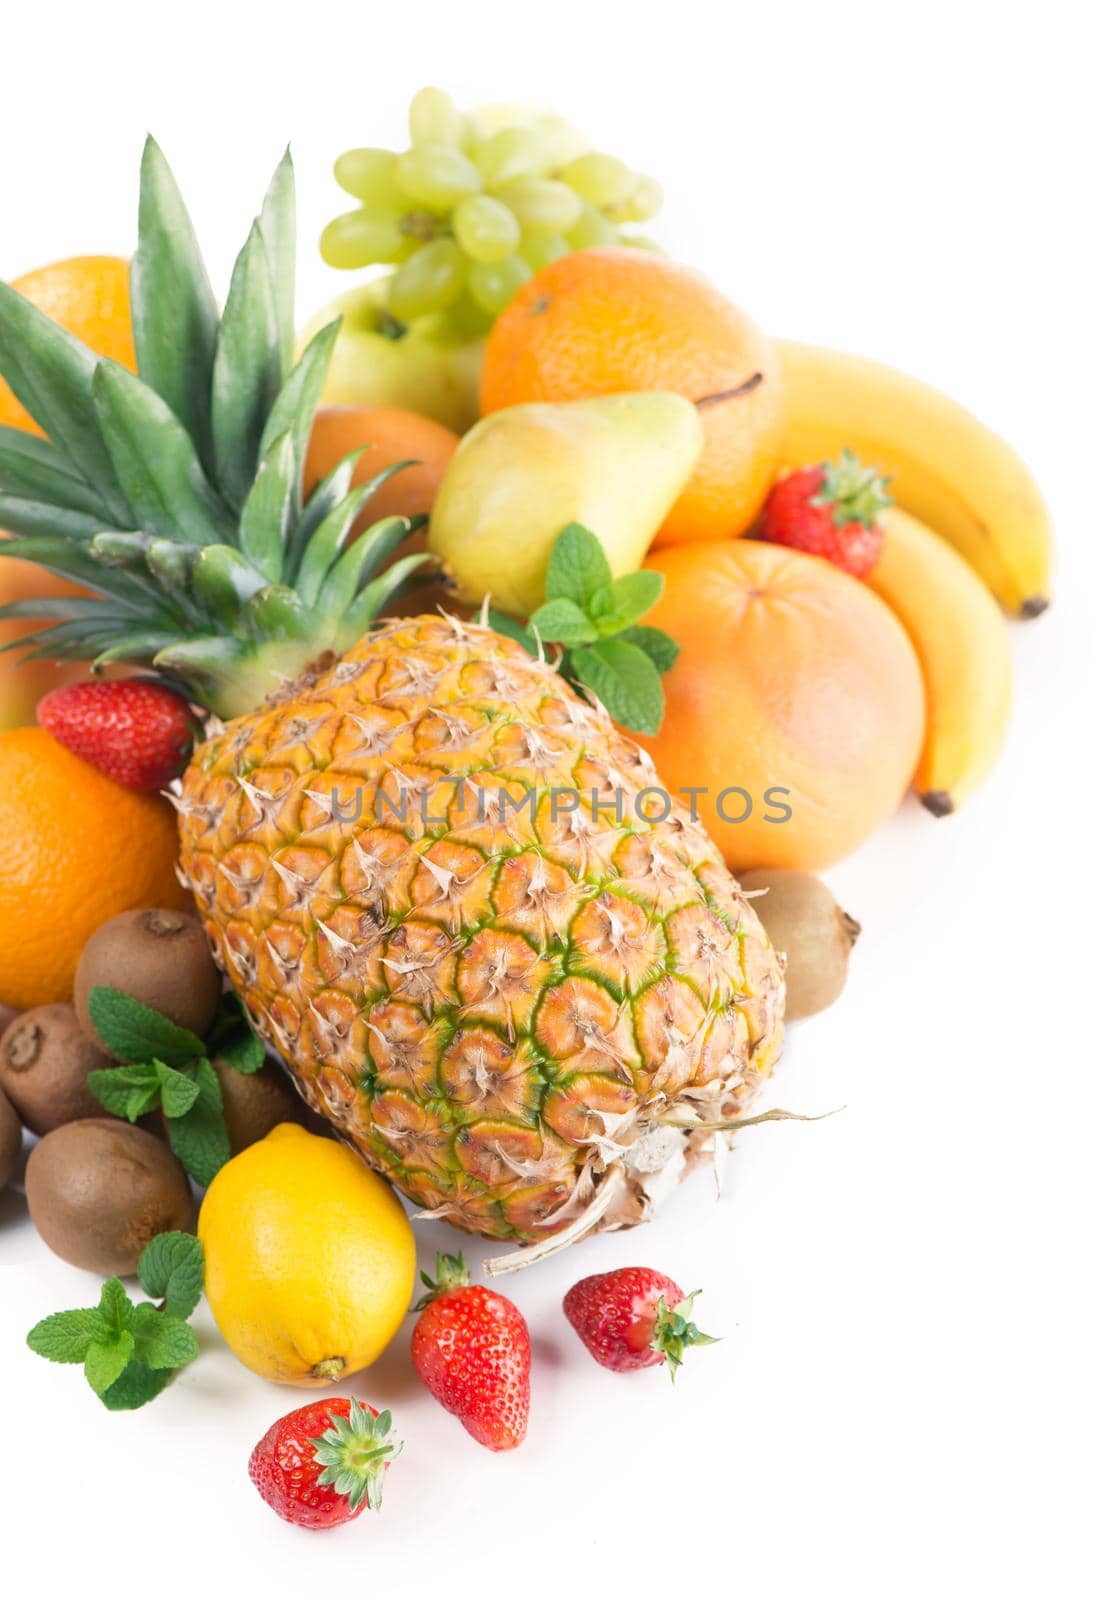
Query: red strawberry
134,730
633,1317
829,511
321,1465
472,1350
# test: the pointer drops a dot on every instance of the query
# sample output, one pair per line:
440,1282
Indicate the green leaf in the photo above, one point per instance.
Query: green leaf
177,1092
564,622
578,566
233,1038
625,681
136,1385
30,518
130,1091
174,313
51,374
66,1335
115,1307
224,581
277,224
328,542
352,571
267,515
626,600
246,370
326,497
375,595
511,628
172,1268
277,613
155,461
69,559
106,1359
162,1339
200,1139
33,469
131,1031
662,649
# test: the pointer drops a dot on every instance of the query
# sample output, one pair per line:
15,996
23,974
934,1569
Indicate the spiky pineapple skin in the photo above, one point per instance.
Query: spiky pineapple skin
491,1007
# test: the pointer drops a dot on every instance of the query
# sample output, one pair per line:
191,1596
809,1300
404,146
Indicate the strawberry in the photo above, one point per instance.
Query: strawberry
829,511
633,1317
472,1350
321,1465
134,730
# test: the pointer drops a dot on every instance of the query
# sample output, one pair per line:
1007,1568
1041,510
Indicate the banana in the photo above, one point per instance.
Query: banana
946,467
961,640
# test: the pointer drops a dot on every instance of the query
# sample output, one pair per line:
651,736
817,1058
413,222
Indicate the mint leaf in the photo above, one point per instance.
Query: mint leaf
577,567
172,1268
233,1038
135,1386
115,1308
625,601
130,1091
500,622
131,1031
662,649
564,622
163,1340
177,1092
625,680
106,1359
200,1139
66,1335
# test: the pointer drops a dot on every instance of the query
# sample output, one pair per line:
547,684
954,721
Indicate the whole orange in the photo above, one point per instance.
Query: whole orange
796,702
75,849
606,321
88,296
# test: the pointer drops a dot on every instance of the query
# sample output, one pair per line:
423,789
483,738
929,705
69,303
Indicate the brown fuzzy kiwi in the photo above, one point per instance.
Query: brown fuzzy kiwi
45,1060
804,921
257,1102
11,1141
158,957
99,1191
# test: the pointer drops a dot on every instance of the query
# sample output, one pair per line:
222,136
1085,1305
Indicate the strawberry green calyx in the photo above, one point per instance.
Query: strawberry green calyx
851,491
674,1333
450,1272
353,1454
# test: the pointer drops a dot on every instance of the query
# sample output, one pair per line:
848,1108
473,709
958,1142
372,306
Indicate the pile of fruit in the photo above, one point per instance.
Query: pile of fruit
421,738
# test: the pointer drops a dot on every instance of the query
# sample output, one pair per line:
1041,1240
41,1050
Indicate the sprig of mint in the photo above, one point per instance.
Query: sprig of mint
168,1068
130,1352
595,618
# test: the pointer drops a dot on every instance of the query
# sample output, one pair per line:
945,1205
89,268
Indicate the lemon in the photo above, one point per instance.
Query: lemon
309,1258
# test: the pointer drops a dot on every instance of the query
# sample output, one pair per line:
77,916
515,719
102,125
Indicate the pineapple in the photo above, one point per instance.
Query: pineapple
418,854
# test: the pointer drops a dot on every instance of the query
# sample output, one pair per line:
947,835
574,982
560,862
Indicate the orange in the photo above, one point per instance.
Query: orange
605,321
796,689
88,296
75,849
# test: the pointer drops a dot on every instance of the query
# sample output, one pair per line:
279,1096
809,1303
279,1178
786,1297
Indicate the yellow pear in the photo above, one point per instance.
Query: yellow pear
616,464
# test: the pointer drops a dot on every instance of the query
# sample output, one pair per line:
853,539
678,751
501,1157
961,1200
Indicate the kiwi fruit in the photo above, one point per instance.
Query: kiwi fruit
45,1060
8,1014
99,1191
804,921
11,1140
257,1102
158,957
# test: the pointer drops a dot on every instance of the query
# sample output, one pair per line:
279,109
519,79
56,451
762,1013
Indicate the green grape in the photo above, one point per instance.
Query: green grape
591,230
540,249
434,119
640,241
511,153
600,180
485,228
360,237
561,141
643,201
436,175
493,283
430,280
541,205
465,319
370,175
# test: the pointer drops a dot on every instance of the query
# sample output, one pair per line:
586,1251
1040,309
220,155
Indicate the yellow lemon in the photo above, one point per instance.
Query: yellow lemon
309,1258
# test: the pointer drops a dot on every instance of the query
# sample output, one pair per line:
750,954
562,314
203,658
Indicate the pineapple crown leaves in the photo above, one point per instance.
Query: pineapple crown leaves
353,1454
176,495
450,1272
674,1333
851,491
595,617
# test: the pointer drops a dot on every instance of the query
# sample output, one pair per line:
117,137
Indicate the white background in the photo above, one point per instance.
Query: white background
914,1392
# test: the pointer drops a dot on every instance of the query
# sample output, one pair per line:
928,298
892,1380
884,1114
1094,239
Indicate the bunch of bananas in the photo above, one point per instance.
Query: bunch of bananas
969,528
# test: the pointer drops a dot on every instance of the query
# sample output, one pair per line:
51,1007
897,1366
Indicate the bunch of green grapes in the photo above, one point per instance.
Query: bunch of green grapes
476,206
